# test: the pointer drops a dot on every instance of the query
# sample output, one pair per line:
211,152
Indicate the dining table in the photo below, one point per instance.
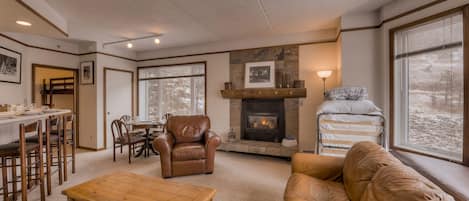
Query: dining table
147,125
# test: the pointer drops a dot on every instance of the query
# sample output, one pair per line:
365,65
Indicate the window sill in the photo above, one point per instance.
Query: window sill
451,177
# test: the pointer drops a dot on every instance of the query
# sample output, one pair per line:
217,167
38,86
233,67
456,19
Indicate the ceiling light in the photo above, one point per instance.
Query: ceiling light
157,41
129,45
23,23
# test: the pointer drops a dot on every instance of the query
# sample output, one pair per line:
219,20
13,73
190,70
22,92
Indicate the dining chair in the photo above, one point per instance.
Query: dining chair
122,136
25,151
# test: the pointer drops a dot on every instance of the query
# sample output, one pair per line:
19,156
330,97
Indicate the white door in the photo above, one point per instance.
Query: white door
118,98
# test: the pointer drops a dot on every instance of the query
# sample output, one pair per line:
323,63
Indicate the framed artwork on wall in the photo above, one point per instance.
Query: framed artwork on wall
260,75
10,66
87,72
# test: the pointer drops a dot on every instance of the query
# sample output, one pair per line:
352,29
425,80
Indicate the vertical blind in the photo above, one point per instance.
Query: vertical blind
176,89
429,71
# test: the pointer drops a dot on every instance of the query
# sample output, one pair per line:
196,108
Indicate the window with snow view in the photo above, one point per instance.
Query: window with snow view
429,88
175,89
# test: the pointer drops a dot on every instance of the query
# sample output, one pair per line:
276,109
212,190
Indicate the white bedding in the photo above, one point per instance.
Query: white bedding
348,107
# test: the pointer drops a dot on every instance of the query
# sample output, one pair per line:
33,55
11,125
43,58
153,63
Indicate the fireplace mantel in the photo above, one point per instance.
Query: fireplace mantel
264,93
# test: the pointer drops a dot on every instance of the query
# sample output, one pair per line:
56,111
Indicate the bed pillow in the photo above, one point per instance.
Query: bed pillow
347,93
348,107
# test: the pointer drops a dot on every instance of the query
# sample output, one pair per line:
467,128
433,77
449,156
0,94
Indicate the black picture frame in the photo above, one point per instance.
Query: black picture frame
8,54
87,73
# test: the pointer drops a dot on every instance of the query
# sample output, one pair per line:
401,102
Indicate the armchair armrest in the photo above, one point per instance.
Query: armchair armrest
164,143
212,141
321,167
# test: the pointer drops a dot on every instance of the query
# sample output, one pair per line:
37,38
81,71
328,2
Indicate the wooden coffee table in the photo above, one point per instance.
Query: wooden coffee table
120,186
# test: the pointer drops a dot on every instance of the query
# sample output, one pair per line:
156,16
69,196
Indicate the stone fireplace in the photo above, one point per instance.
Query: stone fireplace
259,123
263,120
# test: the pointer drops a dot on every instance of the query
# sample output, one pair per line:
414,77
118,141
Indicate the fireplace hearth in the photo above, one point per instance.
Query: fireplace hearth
263,120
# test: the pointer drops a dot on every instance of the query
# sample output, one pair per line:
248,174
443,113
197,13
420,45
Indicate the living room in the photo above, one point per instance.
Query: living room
236,100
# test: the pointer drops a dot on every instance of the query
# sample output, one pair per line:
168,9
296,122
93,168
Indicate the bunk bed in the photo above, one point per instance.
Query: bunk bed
62,86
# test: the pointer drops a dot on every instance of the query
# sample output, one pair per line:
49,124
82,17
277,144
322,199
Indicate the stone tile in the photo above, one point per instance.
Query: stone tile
274,151
257,149
286,61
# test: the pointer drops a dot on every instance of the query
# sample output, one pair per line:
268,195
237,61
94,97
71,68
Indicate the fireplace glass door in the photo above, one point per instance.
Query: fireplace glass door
262,121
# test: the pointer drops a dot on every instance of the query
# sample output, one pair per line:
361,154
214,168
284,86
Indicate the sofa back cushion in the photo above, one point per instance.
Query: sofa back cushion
362,162
399,183
187,129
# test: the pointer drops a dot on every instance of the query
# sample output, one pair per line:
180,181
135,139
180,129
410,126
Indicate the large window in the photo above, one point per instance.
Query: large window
428,84
175,89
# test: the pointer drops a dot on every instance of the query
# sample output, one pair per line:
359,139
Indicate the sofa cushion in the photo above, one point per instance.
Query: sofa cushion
188,151
363,160
399,183
301,187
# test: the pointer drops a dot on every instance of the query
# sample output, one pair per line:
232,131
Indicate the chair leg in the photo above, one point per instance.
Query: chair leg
4,178
65,166
121,148
36,168
41,173
14,178
59,161
114,152
130,152
30,170
24,194
48,166
74,150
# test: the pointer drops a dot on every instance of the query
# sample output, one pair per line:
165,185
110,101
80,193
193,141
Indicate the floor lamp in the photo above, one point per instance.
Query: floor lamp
324,74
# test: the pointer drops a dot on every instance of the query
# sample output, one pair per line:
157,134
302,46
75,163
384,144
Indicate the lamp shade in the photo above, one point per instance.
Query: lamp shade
324,73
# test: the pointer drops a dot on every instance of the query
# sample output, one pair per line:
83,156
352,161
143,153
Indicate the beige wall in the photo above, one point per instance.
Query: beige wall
218,65
313,58
360,62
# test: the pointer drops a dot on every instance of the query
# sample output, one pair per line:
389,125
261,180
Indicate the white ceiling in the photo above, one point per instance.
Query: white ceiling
11,11
190,22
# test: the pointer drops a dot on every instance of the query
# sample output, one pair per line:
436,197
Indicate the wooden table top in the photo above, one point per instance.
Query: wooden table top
120,186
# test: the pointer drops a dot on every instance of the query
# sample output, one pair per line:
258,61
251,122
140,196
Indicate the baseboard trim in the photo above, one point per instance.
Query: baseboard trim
91,149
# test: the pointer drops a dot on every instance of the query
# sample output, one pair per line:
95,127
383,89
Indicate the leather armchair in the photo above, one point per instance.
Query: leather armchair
187,147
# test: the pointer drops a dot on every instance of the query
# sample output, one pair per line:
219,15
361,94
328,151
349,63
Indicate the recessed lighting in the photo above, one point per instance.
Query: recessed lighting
23,23
157,41
129,45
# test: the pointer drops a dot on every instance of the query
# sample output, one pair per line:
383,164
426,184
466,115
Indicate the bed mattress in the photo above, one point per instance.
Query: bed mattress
339,132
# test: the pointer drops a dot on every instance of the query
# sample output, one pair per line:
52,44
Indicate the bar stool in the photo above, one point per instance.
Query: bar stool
51,141
23,151
69,138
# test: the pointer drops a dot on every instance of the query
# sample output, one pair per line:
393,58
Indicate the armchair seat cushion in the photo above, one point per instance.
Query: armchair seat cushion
302,187
188,151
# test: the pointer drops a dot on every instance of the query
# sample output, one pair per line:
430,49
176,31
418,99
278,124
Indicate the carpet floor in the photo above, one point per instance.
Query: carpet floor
237,177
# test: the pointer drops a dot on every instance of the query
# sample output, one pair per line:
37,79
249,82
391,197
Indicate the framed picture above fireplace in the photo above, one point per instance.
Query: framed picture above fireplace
260,74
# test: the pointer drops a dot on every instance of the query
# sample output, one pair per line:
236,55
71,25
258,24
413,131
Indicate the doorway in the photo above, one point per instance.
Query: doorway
55,87
118,98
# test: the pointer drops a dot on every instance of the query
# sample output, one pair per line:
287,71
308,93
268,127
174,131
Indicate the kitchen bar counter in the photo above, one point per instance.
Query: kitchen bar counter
9,127
33,117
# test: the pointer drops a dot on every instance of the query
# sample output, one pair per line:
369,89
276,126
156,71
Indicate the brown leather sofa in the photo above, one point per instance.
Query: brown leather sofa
187,147
367,173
